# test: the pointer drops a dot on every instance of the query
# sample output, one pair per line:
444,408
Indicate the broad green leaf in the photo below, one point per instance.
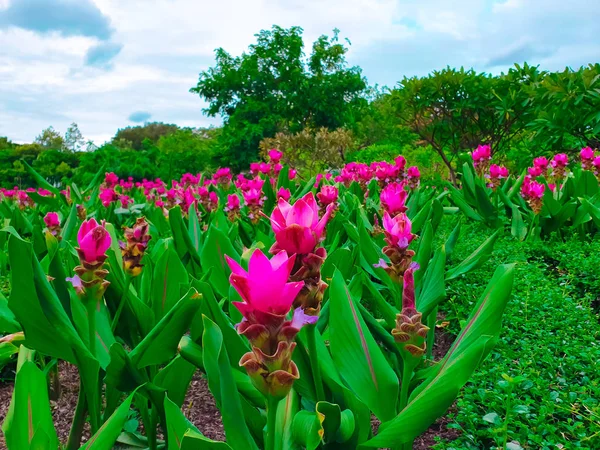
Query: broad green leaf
216,246
436,393
106,436
30,412
161,343
286,411
357,356
222,385
170,276
475,259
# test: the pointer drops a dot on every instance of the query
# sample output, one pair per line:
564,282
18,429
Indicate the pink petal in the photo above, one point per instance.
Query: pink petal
235,267
301,214
320,228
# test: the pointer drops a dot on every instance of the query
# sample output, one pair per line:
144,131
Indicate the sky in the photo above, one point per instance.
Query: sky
107,64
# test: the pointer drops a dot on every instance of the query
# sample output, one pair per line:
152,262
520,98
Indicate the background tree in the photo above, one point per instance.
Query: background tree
456,110
74,140
136,135
275,87
50,138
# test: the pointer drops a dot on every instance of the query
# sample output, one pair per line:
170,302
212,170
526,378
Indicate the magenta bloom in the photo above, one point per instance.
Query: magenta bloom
107,196
253,197
297,227
560,160
51,220
587,154
275,155
413,172
481,154
541,162
497,171
400,163
292,174
393,198
93,240
233,202
329,194
535,171
264,168
264,287
284,194
111,180
398,230
223,175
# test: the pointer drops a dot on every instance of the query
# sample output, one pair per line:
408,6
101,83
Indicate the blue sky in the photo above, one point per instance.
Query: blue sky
106,64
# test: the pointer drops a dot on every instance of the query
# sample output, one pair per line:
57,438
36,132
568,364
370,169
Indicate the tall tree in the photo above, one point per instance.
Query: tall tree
50,138
276,87
74,140
135,136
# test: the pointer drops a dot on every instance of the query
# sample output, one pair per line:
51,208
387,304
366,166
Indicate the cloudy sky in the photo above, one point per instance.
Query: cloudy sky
106,64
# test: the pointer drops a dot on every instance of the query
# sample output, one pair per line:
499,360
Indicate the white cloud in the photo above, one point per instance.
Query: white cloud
44,79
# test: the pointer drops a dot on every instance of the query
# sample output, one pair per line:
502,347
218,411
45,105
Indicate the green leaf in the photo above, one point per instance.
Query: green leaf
31,419
436,393
475,259
357,356
287,409
216,246
222,385
453,239
517,227
161,343
170,276
175,378
432,289
107,434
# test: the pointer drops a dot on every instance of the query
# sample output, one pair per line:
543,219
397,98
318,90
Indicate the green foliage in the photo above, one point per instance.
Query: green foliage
275,87
550,349
134,137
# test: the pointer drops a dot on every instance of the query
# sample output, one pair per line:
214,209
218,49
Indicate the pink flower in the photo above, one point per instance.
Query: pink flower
93,240
233,202
264,168
596,163
400,163
587,154
111,180
264,287
253,197
107,196
541,162
223,175
497,171
560,160
51,220
393,198
284,194
329,194
254,168
125,200
535,171
413,172
292,174
297,227
481,154
275,155
398,230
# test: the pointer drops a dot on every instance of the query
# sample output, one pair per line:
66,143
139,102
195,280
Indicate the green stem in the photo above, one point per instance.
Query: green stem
271,422
407,371
78,421
311,335
94,399
91,313
431,321
121,303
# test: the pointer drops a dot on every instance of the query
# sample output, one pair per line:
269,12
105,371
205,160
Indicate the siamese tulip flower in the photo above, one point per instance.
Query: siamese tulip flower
94,241
393,198
328,194
264,287
297,227
587,158
51,220
284,194
275,155
398,230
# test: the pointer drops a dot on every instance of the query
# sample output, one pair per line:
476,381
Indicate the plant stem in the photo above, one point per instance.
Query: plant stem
407,370
93,403
271,422
311,335
121,304
78,421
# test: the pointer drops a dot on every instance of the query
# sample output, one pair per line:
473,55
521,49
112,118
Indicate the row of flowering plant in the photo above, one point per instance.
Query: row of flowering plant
307,308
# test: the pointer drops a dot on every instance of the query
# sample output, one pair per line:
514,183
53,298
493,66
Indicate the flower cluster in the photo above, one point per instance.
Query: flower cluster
52,222
133,249
267,300
381,171
559,164
533,192
496,175
410,333
589,160
481,156
93,240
